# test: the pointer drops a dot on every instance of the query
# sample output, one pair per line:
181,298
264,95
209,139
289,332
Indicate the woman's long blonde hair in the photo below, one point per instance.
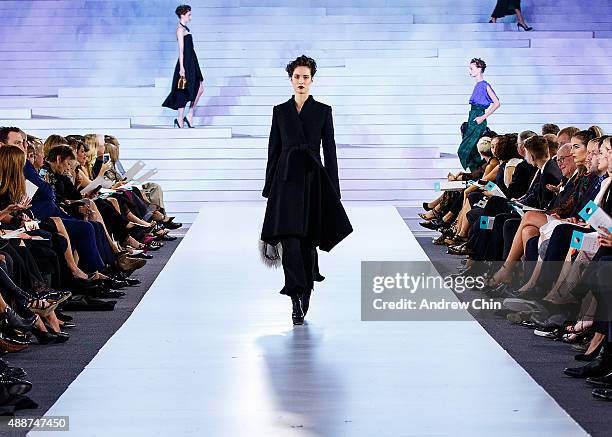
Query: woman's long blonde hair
92,154
12,181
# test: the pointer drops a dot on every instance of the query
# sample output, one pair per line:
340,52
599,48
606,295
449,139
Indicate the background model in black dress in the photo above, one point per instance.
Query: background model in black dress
509,7
178,98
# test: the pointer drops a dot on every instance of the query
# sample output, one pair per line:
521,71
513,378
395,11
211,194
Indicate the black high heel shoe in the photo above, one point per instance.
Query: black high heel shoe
176,123
525,28
44,337
187,121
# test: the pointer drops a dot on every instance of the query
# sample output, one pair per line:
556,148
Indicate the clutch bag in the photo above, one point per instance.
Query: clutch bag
182,83
270,255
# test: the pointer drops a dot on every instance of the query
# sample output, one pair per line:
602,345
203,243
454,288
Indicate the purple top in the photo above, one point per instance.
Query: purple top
480,95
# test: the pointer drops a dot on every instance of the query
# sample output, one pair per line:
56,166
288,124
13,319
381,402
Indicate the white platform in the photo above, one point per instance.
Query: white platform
210,351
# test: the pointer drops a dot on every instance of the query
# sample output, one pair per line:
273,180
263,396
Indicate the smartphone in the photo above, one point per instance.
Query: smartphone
106,157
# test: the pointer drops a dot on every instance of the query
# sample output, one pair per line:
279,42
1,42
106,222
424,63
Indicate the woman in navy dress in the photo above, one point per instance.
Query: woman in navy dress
188,67
510,7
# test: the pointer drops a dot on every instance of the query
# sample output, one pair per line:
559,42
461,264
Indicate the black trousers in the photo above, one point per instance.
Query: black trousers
300,264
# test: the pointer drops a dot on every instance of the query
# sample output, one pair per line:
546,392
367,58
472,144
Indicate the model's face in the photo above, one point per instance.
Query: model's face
301,80
474,70
579,151
186,18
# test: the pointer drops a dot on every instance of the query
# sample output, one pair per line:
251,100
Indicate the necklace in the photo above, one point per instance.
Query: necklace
186,28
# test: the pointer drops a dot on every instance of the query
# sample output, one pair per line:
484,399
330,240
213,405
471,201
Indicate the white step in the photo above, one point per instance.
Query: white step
162,135
451,118
363,195
422,79
372,90
257,114
248,185
262,153
336,100
34,124
176,175
426,139
205,164
395,134
15,114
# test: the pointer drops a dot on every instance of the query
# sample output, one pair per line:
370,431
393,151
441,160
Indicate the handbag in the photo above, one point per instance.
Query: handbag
270,255
182,83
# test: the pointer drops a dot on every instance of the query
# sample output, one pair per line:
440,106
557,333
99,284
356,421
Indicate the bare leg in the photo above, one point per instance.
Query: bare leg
181,114
523,234
72,264
98,218
195,103
519,17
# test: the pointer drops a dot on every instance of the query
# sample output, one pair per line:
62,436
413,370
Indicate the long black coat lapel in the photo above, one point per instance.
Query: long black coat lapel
298,116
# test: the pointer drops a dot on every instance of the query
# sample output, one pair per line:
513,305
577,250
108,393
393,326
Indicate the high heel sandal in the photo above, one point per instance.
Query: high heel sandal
426,206
176,123
42,307
187,121
524,27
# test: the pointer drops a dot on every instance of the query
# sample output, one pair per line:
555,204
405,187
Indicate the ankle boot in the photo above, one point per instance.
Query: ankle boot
297,313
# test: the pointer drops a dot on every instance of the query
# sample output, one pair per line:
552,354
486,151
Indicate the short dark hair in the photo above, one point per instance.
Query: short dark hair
553,143
302,61
550,128
537,146
61,151
182,10
479,63
506,147
5,131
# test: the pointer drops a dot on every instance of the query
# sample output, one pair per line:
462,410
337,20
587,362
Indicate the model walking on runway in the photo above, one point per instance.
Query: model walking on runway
303,210
484,102
187,69
510,7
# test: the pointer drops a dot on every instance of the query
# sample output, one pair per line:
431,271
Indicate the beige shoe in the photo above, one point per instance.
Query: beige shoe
127,264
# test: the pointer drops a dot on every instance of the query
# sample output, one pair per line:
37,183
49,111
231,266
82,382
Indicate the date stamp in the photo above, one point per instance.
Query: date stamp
36,423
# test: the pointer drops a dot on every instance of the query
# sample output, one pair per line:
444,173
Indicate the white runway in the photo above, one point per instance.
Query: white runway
210,351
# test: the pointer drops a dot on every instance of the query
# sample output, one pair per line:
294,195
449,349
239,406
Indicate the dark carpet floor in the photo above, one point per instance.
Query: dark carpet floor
543,359
52,368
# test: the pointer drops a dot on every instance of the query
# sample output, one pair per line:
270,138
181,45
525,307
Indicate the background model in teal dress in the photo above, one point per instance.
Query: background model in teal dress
484,102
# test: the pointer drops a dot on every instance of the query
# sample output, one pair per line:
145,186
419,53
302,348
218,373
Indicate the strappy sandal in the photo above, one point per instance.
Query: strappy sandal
42,307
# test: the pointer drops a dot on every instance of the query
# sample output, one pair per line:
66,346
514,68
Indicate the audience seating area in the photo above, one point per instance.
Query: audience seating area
75,227
534,223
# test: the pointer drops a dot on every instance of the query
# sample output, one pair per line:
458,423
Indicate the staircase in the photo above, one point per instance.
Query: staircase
395,73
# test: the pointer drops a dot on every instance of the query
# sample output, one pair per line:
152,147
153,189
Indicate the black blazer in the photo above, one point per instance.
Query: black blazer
538,195
521,178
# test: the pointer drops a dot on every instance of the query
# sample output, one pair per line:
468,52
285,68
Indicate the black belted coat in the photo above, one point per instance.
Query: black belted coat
303,194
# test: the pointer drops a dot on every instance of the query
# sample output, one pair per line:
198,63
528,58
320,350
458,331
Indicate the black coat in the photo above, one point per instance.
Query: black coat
303,194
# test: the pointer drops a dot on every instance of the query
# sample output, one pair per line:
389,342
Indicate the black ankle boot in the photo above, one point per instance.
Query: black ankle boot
306,301
297,313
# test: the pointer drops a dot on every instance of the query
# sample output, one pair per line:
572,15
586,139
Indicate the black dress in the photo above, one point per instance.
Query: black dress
303,195
179,98
506,7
